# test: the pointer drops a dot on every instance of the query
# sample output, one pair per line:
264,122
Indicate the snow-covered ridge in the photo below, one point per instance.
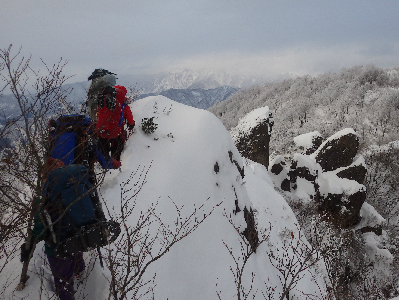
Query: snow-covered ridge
179,161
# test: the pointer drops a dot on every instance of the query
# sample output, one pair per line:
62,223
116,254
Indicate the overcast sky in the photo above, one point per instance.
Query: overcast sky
253,36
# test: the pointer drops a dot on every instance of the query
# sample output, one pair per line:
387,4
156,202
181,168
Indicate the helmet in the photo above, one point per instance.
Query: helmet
99,73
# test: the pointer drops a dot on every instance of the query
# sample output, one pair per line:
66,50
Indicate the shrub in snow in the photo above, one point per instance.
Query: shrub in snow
148,125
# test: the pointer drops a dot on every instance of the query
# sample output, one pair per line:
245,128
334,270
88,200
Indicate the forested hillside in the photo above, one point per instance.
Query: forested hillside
365,98
362,263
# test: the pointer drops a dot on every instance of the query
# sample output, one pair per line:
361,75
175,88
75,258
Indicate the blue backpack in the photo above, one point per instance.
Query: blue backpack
67,134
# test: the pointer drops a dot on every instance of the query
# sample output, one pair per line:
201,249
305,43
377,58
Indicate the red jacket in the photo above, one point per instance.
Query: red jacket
110,124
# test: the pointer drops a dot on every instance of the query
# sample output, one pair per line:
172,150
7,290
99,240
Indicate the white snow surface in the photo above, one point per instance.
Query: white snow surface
306,140
179,159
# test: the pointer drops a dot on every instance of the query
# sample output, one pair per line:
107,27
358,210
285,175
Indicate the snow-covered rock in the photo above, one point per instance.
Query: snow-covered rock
308,142
333,175
252,135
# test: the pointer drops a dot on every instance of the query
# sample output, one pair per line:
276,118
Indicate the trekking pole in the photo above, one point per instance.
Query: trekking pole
101,258
129,134
28,245
24,272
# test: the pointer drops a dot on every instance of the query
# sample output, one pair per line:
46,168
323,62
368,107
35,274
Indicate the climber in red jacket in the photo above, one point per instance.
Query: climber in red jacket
111,124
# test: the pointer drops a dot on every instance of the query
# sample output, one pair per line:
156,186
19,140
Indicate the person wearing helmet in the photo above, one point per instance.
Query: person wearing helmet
101,79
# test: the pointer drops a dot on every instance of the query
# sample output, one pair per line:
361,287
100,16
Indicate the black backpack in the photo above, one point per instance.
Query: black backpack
71,212
101,80
83,227
107,98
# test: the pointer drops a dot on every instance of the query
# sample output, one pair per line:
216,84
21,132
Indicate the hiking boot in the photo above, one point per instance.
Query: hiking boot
79,278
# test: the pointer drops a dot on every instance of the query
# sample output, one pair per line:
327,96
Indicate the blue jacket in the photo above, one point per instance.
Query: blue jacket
64,145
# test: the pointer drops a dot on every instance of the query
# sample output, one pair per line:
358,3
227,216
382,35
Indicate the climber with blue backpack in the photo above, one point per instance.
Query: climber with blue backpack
69,215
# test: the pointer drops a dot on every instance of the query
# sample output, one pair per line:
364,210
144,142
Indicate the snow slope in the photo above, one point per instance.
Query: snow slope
186,164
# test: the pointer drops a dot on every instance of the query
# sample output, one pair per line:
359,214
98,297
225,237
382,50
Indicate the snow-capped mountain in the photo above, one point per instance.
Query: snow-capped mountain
200,89
9,109
189,79
199,98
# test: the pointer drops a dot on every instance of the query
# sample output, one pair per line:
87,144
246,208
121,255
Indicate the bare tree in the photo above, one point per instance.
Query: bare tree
24,140
292,259
247,249
133,93
381,181
25,146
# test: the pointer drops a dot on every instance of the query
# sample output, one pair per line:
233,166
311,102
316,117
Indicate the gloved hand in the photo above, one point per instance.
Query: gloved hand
24,253
116,164
130,127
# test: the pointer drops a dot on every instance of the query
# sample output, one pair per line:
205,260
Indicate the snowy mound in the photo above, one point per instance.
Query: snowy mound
190,167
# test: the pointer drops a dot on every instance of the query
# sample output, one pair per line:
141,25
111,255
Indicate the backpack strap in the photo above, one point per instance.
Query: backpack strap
47,218
50,213
122,111
107,98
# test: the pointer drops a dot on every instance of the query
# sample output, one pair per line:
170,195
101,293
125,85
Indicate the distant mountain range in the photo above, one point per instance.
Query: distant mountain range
199,98
200,89
9,108
189,79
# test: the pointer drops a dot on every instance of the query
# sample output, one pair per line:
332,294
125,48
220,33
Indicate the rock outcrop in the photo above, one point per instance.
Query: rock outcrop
338,151
252,135
332,175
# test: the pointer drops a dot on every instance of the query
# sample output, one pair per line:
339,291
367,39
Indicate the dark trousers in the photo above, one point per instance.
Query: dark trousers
117,146
63,270
112,147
